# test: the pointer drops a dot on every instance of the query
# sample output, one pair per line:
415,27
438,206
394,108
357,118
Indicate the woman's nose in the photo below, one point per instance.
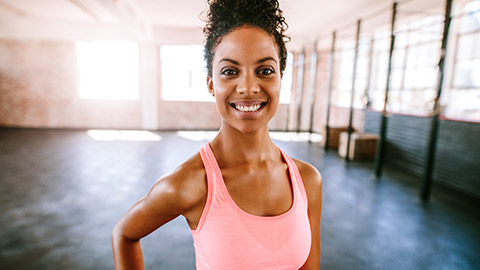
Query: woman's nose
247,85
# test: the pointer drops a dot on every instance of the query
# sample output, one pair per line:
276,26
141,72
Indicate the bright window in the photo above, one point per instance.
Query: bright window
413,78
183,73
286,91
108,70
342,92
463,99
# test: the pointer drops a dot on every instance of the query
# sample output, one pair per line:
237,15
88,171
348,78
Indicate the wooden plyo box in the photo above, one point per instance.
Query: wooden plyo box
334,135
363,146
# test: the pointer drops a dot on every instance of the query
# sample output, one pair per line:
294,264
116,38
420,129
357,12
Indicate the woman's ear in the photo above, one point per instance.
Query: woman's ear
210,86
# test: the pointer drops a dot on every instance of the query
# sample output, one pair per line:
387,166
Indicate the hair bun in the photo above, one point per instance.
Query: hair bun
265,13
225,15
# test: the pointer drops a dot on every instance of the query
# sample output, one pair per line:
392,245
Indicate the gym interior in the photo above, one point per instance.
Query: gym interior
100,98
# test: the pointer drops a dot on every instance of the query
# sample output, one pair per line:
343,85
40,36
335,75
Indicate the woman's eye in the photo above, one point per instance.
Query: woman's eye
266,71
229,72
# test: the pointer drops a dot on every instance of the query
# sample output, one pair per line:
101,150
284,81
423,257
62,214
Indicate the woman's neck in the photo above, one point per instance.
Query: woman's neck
232,147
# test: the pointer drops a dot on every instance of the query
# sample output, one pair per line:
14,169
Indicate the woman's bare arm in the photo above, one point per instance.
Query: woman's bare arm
158,207
170,197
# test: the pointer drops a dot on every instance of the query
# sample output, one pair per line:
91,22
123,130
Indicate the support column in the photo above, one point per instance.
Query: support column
352,96
369,76
432,141
299,93
313,76
330,87
379,157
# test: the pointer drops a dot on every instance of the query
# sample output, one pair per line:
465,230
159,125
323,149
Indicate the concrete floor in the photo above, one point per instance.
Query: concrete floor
61,192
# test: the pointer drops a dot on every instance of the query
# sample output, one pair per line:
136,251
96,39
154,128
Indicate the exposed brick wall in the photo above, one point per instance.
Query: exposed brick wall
28,83
38,88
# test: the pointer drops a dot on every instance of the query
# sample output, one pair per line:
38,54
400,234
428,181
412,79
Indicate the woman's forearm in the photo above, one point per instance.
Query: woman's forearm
127,254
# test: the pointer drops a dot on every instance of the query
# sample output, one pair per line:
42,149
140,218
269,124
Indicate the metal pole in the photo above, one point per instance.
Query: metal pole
369,76
313,76
383,123
330,86
301,64
352,96
291,91
432,142
366,96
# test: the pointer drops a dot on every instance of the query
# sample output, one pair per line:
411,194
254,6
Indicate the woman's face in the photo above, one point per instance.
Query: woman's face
246,78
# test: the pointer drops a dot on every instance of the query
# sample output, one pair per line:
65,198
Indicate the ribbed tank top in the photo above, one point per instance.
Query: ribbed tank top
229,238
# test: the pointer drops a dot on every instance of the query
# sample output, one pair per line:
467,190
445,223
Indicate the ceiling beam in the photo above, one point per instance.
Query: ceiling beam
15,10
80,5
128,13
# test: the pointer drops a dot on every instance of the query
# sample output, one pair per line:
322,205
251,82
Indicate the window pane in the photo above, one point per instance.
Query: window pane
398,58
466,74
396,79
378,98
463,104
286,91
108,70
183,73
468,46
472,22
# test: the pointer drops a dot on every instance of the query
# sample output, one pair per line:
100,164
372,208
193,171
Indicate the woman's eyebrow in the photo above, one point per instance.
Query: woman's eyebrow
262,60
229,60
265,59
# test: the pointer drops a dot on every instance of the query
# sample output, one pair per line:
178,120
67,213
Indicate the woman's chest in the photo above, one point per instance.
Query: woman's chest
260,191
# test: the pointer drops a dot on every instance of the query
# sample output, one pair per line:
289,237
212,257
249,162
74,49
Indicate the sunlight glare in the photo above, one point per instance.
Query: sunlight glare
296,137
123,135
197,136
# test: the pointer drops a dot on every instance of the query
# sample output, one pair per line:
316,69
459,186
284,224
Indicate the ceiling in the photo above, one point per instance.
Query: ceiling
308,19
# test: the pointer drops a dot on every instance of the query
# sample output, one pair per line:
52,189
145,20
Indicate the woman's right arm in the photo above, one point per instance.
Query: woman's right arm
158,207
181,193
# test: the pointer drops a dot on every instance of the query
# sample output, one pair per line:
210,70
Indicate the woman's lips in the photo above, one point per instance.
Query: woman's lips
248,106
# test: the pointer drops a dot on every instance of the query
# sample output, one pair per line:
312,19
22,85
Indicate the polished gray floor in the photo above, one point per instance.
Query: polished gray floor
61,192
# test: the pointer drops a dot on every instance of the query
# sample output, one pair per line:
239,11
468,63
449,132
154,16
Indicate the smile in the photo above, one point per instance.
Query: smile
247,107
252,108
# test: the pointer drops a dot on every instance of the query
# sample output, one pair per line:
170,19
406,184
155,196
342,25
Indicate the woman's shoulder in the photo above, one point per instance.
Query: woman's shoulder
185,186
312,179
307,170
188,172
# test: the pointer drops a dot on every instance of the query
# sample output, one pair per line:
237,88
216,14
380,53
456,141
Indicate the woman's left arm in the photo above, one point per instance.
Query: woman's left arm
313,186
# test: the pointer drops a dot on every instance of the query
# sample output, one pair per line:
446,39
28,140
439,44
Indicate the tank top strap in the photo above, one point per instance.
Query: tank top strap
210,163
213,174
295,175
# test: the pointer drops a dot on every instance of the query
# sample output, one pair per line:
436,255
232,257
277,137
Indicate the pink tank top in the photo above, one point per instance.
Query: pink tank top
229,238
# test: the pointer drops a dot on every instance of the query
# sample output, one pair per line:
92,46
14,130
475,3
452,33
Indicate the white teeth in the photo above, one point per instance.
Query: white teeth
252,108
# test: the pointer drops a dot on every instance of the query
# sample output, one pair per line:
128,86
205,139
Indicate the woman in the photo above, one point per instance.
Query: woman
248,204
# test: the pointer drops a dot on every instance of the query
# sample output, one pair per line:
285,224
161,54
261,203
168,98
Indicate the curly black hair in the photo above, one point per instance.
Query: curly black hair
226,15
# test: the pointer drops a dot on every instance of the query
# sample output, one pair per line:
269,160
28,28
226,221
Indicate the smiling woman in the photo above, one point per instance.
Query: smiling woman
246,78
248,204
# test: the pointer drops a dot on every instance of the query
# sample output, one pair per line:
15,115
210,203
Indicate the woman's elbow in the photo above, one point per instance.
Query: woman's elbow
119,236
